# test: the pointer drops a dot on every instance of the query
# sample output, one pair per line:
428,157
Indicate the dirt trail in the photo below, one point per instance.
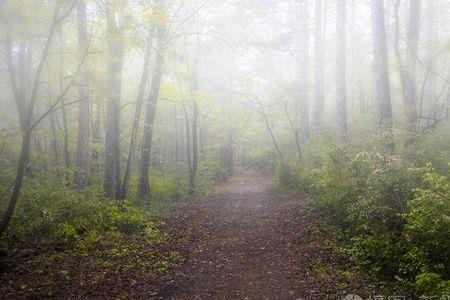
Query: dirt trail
245,247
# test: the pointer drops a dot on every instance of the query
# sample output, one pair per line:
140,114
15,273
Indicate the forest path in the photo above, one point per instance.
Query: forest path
245,248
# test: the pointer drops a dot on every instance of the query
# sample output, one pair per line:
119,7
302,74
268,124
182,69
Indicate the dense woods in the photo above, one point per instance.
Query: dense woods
114,115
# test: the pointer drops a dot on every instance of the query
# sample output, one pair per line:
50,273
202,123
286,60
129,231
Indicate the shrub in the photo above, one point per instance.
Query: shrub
428,227
62,216
396,218
210,173
164,188
262,159
291,176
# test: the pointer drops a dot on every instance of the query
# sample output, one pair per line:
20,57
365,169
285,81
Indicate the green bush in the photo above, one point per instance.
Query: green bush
210,173
262,159
428,226
396,218
292,176
59,215
164,188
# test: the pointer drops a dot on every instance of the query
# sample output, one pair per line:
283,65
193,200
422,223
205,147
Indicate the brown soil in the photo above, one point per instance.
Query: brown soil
250,244
246,242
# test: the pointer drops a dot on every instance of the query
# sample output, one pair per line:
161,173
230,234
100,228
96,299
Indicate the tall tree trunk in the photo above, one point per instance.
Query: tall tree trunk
341,99
193,171
429,95
188,143
304,70
177,151
144,165
23,161
114,82
272,136
382,82
411,62
63,109
82,161
54,139
319,68
135,127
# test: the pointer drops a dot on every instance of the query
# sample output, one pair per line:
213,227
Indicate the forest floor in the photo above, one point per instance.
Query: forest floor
245,242
250,243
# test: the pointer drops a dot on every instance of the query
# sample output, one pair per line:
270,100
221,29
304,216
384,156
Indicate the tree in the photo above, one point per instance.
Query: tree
82,161
194,168
25,106
411,62
428,99
341,99
304,69
382,82
144,165
115,39
319,68
135,126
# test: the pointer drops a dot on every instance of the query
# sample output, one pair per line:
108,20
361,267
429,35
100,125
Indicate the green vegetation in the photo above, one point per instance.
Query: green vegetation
392,209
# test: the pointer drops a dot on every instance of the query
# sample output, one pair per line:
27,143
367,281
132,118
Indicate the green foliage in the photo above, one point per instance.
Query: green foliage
291,176
428,225
210,172
46,214
164,188
396,217
262,159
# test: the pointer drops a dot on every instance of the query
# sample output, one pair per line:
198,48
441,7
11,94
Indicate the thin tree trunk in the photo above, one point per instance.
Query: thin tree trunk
82,161
96,136
63,110
341,98
319,69
429,97
304,70
411,62
382,83
144,185
144,166
175,113
135,127
272,136
194,168
54,140
23,161
188,142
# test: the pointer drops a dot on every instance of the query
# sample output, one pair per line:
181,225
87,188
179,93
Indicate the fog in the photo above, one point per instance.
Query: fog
144,103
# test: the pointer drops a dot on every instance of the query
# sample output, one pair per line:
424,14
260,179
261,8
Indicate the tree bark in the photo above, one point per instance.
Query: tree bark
382,82
23,161
135,127
193,171
341,97
411,62
427,108
272,136
319,69
188,139
114,88
66,153
144,166
304,70
82,161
